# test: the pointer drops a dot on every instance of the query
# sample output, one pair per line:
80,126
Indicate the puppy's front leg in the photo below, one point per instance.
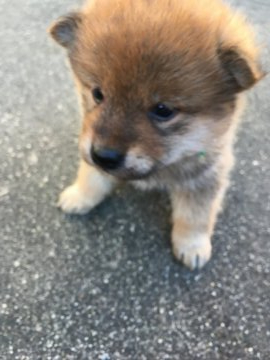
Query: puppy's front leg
194,217
89,189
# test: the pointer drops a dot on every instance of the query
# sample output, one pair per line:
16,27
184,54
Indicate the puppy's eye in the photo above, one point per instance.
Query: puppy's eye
161,112
98,95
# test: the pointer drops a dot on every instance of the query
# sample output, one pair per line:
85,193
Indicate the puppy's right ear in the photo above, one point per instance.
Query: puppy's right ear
64,30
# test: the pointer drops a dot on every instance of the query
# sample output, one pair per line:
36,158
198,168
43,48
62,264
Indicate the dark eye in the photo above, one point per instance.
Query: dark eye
161,112
98,95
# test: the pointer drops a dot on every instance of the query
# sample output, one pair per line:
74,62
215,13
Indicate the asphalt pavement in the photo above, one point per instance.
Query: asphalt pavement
105,286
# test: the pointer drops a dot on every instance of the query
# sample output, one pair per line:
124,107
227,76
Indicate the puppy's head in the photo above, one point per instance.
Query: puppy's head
159,79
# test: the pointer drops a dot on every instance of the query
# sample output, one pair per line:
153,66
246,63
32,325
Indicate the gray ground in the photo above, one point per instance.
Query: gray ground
105,286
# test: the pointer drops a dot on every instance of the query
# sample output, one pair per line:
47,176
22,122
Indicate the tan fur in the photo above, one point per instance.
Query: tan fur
196,57
89,189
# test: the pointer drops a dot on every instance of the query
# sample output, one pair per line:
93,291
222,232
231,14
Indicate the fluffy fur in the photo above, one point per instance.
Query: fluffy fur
196,57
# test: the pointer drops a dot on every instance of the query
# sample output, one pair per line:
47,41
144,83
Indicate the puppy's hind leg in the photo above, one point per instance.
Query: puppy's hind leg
89,189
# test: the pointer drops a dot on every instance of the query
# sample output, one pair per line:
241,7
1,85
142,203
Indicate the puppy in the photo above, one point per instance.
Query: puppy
161,84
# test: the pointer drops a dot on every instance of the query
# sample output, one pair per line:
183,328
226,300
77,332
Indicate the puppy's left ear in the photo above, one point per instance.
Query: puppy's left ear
242,70
64,30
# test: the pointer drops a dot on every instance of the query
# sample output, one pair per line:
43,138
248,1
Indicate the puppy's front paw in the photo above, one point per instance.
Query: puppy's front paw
194,252
73,201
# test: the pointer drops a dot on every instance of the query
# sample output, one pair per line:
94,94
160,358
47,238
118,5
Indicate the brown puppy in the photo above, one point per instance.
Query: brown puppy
161,84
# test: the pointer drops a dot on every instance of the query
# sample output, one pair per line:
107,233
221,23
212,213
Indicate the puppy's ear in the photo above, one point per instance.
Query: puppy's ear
242,71
64,29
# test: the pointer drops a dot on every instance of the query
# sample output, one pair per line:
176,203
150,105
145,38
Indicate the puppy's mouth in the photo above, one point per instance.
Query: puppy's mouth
123,173
126,167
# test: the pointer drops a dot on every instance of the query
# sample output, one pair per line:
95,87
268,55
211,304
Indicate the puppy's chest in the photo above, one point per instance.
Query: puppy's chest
191,174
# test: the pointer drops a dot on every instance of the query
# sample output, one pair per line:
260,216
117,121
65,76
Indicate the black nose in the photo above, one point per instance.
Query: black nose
107,159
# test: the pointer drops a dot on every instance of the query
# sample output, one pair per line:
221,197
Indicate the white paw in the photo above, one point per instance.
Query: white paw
73,201
194,252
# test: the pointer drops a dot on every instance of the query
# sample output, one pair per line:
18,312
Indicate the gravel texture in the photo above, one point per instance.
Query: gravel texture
105,286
